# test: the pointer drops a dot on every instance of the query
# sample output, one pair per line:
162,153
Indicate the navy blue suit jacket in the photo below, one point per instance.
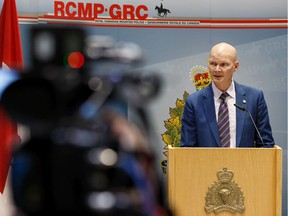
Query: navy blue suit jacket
199,124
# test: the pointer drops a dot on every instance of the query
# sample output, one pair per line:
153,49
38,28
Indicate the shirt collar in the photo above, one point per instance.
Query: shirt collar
217,92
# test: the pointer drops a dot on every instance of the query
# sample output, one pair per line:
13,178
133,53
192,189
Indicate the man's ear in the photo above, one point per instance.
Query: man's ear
236,65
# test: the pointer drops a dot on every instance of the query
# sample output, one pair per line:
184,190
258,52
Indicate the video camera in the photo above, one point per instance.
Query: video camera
73,163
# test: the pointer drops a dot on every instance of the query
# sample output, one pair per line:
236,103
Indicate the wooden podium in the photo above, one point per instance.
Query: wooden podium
253,179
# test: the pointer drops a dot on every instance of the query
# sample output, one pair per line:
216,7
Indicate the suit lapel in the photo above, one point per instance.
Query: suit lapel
240,115
209,110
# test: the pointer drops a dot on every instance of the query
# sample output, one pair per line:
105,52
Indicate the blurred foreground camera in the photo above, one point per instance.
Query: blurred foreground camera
83,156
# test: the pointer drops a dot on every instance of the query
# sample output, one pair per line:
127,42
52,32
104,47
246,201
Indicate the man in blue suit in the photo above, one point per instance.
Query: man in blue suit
200,117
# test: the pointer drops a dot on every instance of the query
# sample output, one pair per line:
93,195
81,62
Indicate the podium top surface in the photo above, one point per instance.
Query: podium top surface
276,147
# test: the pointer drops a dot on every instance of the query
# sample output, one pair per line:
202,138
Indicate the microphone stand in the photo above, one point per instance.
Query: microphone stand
245,110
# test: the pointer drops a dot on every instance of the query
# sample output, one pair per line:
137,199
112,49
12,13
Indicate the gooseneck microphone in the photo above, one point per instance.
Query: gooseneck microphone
245,110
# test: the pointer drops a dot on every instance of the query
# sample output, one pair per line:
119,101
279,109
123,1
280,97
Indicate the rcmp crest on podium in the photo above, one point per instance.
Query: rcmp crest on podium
224,195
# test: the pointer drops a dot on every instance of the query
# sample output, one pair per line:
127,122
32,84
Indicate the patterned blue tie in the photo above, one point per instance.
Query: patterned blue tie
223,121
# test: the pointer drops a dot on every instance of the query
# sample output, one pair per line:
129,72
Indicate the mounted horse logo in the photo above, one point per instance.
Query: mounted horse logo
162,12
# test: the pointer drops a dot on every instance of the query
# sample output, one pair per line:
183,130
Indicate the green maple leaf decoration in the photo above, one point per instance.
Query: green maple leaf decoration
172,135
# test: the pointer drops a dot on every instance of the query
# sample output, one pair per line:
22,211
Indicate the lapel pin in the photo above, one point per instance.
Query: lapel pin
244,101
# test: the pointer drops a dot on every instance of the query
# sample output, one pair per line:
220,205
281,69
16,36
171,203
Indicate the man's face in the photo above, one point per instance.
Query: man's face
221,69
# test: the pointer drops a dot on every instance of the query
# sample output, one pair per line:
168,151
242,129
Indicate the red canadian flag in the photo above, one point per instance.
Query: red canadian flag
10,57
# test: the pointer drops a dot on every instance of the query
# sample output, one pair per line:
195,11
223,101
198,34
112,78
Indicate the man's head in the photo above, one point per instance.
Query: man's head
222,64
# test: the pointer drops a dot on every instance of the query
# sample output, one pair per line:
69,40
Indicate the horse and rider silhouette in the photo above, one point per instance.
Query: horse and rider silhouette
162,11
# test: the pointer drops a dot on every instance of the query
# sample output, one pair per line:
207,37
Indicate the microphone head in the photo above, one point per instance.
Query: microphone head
240,107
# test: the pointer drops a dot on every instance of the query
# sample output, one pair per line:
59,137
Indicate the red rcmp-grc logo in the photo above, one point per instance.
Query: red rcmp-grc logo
93,10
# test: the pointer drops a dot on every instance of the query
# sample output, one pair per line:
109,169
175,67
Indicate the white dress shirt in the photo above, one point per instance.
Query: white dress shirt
231,100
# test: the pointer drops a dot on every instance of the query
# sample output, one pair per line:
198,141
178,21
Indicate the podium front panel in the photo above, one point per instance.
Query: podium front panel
257,172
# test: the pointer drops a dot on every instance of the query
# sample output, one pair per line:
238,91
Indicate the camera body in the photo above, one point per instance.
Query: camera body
73,164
